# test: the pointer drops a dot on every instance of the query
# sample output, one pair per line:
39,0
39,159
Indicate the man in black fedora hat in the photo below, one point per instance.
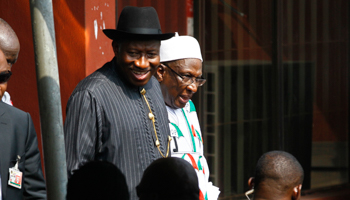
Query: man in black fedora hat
117,113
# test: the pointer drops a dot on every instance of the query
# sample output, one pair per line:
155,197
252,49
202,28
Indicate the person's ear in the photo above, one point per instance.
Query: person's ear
115,47
251,182
160,73
296,192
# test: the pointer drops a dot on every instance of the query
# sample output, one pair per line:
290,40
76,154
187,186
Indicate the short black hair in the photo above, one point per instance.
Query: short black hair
97,180
281,167
169,178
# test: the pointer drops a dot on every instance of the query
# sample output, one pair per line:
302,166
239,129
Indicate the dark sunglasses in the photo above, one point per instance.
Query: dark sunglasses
5,76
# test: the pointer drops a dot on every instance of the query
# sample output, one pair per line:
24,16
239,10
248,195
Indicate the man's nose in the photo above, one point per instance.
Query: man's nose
193,87
142,62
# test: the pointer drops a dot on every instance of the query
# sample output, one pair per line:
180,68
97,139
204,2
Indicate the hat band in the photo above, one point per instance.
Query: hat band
145,31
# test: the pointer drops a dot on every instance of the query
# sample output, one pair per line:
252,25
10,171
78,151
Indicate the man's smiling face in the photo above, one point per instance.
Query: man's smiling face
137,60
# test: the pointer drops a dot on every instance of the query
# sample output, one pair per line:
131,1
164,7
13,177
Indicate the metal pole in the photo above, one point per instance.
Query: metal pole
49,98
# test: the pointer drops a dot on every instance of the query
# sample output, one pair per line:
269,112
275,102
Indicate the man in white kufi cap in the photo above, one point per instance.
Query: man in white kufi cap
180,75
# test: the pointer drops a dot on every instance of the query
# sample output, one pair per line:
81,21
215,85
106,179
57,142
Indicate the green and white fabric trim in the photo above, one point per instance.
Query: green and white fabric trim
187,141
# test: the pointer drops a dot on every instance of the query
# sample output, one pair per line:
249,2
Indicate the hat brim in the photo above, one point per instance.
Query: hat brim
115,34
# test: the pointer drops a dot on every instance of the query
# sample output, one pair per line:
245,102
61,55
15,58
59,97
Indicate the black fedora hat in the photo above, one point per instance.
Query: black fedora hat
138,22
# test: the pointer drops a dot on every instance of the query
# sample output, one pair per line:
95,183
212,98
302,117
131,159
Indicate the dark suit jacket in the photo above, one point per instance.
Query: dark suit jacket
18,137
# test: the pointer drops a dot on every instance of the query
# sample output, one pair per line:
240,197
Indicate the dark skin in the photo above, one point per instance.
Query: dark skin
175,93
269,189
137,60
9,49
7,59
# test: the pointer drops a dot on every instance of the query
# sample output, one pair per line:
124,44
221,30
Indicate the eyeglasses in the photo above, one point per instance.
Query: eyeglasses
188,80
5,76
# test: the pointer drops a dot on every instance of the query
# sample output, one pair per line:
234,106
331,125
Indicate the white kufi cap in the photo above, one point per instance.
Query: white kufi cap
179,47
